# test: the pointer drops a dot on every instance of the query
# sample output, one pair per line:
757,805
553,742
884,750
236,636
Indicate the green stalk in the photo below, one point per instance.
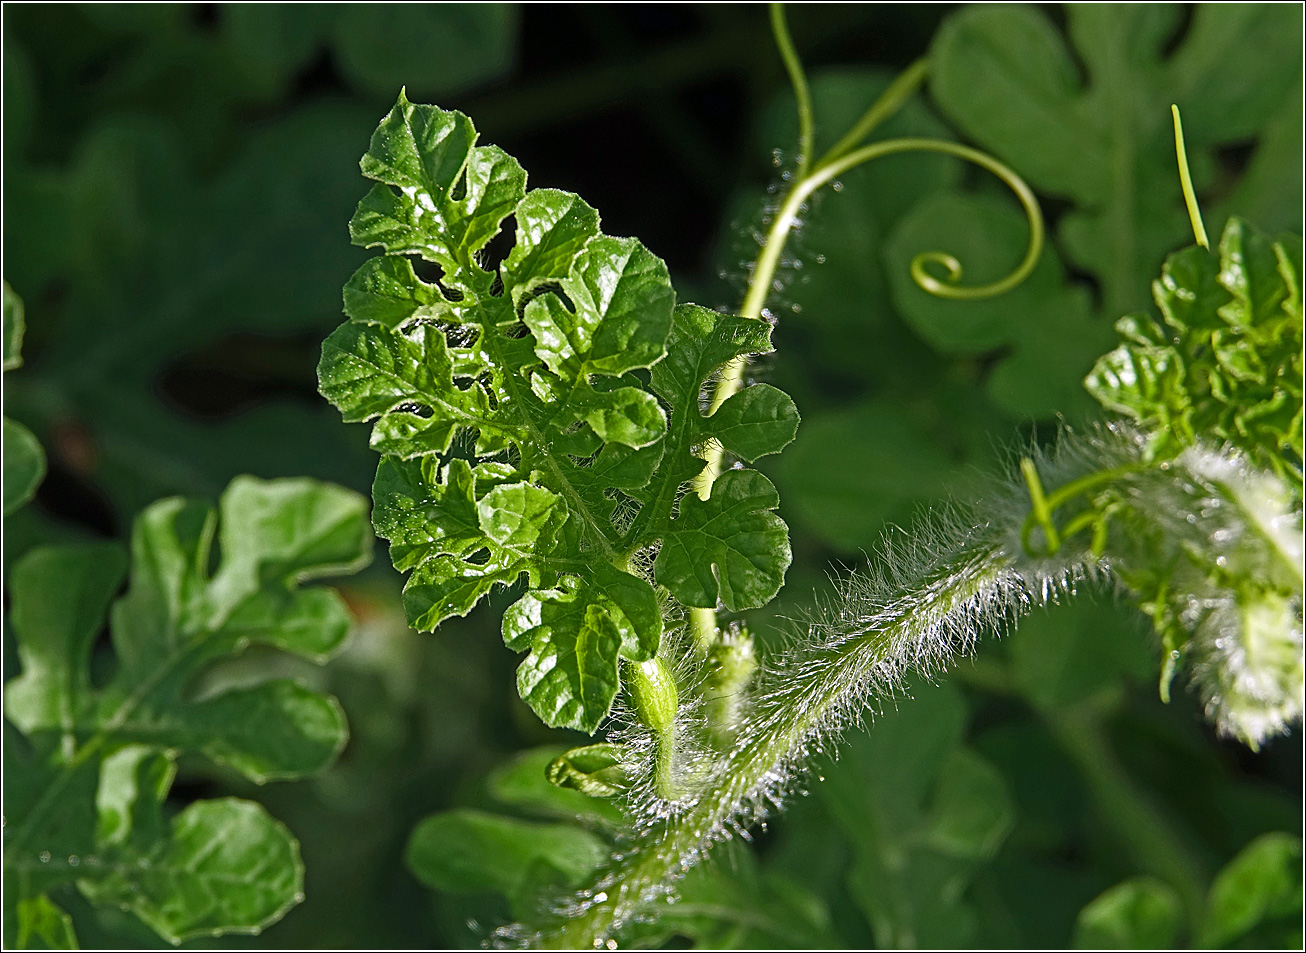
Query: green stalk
800,702
957,579
836,162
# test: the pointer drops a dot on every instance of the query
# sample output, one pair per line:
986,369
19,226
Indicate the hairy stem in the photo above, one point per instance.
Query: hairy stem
802,699
836,162
958,576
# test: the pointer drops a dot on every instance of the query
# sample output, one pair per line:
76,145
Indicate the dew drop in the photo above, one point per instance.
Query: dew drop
612,944
73,860
45,856
837,185
820,259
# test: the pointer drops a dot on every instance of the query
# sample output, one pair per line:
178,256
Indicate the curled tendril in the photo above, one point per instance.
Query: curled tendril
947,286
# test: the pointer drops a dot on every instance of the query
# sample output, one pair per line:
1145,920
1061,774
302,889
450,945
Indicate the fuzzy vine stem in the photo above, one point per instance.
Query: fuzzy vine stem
704,620
801,705
747,765
809,178
960,575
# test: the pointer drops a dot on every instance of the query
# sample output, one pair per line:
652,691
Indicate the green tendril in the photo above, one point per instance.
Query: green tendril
1043,506
809,180
890,101
1040,513
798,78
1186,181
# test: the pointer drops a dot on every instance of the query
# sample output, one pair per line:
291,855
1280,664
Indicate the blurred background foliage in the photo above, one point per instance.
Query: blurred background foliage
177,183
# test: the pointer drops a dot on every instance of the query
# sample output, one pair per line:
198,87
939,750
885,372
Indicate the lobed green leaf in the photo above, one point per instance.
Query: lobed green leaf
96,763
1139,914
539,418
1226,358
730,547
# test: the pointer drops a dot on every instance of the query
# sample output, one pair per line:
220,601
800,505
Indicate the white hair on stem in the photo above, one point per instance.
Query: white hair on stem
928,599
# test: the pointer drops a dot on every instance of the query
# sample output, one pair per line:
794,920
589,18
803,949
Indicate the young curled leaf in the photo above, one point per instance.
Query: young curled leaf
594,770
1225,362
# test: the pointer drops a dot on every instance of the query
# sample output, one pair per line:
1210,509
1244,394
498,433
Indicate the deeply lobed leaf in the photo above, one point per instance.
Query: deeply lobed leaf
521,430
86,779
1225,361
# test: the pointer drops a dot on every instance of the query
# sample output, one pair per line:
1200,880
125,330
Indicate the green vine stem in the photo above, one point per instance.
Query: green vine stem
809,178
955,578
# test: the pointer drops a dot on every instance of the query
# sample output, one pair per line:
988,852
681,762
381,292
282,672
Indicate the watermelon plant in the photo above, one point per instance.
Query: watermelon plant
555,416
585,478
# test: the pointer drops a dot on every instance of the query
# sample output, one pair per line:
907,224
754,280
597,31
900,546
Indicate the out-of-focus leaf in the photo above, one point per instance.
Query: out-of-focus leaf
467,851
59,599
98,761
971,812
851,470
737,905
1042,329
14,327
24,465
522,783
435,50
1061,656
162,262
24,458
1006,77
917,841
226,866
1262,882
1270,191
41,924
1139,914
